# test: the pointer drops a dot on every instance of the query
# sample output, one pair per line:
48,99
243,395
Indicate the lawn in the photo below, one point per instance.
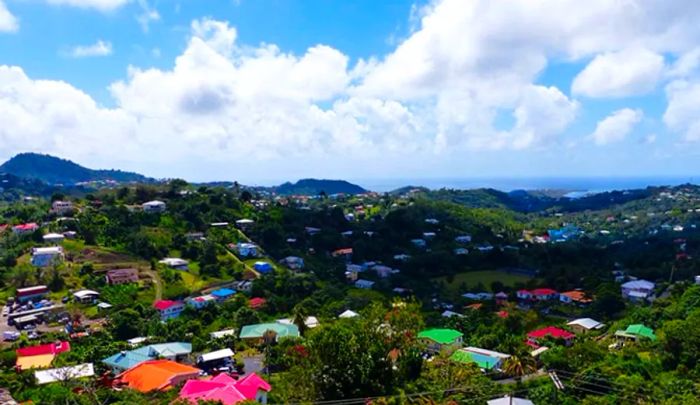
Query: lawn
485,277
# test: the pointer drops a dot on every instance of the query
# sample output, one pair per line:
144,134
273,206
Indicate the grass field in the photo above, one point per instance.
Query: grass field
485,277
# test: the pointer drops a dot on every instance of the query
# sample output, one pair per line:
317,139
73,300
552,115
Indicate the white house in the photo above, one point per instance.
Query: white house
153,206
53,238
62,207
47,256
364,284
585,324
222,333
86,296
348,314
64,373
175,263
638,290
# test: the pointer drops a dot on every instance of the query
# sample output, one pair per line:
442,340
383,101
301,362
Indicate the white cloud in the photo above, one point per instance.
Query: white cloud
443,90
683,112
101,5
629,72
147,16
616,126
8,22
99,48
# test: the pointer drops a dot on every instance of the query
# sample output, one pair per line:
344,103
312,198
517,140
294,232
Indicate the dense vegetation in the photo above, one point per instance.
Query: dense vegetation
649,234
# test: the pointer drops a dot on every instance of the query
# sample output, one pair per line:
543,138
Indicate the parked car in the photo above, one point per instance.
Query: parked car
10,336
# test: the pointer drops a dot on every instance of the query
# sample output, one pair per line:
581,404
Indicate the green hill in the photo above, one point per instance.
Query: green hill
55,170
315,187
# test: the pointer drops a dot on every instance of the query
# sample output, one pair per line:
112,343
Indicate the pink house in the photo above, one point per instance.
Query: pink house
169,309
226,390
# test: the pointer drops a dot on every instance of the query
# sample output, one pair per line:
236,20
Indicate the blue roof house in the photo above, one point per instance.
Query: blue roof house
125,360
222,294
263,267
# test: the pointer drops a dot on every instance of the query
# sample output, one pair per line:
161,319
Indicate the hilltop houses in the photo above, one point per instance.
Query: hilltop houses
583,325
255,333
47,256
53,238
225,390
175,263
293,262
487,360
538,294
124,360
245,249
638,290
24,229
153,207
157,375
62,207
438,340
537,337
122,276
169,309
575,297
33,293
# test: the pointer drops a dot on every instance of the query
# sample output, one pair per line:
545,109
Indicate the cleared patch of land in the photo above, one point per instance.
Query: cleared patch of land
485,277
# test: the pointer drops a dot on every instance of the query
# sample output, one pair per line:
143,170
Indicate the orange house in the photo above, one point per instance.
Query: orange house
157,375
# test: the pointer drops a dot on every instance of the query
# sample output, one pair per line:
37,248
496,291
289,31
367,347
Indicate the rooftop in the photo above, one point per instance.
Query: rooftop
442,336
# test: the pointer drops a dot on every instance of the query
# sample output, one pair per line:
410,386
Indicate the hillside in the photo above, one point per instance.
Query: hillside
55,170
315,187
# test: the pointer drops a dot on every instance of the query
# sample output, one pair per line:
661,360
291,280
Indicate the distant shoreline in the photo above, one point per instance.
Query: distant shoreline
575,186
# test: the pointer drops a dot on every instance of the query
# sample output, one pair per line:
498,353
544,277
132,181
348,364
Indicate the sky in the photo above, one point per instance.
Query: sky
263,91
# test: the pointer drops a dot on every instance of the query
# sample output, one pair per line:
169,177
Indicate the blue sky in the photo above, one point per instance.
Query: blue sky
271,90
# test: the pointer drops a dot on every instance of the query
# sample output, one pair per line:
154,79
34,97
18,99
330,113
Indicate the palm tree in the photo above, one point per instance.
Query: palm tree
299,315
517,366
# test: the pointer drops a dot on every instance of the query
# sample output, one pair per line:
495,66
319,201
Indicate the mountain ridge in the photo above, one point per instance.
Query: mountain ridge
55,170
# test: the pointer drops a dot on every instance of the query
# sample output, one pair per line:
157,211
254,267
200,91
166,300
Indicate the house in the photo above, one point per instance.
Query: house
222,333
428,235
24,229
175,263
510,400
449,314
438,340
501,298
480,296
257,302
537,337
64,373
636,332
244,223
70,234
53,238
419,243
122,276
33,293
461,251
219,224
39,356
402,257
463,239
62,207
487,360
201,301
345,253
169,309
293,262
86,296
217,360
638,290
153,206
263,267
192,236
431,221
310,322
127,359
225,390
245,249
255,333
348,314
243,285
575,297
523,294
383,271
583,325
47,256
352,271
484,248
364,284
222,294
156,375
544,294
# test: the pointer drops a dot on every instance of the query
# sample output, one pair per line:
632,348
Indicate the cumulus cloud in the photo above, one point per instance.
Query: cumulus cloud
440,91
683,111
101,5
616,126
8,22
630,72
99,48
147,16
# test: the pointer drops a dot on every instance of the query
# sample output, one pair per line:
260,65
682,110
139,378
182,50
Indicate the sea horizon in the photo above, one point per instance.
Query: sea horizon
577,185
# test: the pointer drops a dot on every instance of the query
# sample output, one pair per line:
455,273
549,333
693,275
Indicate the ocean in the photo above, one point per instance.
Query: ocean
576,186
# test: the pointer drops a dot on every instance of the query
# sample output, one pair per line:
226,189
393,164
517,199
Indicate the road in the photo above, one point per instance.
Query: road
158,283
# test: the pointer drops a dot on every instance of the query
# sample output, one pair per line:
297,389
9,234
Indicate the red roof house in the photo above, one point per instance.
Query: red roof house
257,302
49,348
169,309
536,337
226,390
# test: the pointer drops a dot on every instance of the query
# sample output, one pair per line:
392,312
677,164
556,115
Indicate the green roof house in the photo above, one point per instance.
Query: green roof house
255,333
441,339
636,332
